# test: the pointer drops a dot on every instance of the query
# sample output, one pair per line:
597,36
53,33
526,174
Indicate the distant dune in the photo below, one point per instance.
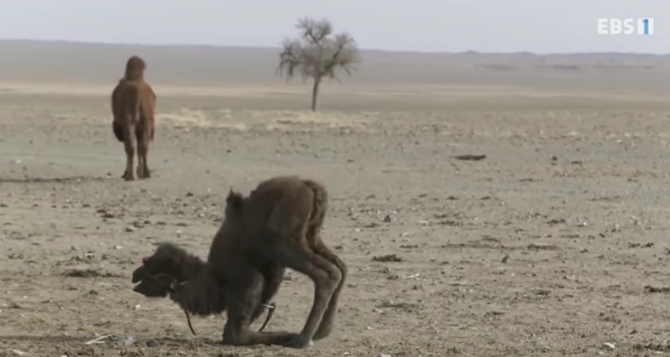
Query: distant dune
207,65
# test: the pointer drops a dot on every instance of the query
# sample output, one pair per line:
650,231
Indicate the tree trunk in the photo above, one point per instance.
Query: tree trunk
315,92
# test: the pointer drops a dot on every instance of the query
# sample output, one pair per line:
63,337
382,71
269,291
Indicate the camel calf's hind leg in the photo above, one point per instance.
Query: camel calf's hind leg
326,325
326,277
130,145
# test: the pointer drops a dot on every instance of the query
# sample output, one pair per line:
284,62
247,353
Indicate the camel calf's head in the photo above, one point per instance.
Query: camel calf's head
163,272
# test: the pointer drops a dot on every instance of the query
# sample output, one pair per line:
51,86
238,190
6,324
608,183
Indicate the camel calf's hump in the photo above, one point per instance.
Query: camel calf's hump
284,199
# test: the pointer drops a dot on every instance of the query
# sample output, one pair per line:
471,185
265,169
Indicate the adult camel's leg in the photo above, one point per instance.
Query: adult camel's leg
142,149
130,145
118,129
147,128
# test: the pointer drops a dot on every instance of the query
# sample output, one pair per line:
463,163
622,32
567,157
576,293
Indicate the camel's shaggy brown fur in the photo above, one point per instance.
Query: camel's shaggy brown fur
277,226
134,107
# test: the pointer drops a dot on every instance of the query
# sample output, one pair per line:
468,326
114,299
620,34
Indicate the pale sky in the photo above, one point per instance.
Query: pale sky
418,25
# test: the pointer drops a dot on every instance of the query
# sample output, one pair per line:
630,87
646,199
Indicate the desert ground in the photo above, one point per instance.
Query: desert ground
554,244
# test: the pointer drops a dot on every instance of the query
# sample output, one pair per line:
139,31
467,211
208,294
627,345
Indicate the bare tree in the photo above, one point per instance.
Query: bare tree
317,54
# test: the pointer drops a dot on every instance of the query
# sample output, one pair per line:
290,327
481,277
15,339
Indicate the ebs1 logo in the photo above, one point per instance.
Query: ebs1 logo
626,26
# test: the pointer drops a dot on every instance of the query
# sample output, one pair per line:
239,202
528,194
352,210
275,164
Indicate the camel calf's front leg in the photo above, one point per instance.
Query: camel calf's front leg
243,299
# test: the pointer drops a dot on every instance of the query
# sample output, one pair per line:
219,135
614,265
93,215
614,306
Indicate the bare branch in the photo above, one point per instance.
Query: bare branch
314,31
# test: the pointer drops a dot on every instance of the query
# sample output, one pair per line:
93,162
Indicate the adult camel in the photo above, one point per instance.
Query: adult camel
134,107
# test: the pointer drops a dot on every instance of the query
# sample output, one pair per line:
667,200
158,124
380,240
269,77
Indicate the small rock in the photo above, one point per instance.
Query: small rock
118,247
387,219
387,258
505,259
609,345
105,256
130,229
19,352
152,343
542,246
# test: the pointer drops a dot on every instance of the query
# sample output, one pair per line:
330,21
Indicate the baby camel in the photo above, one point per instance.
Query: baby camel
276,227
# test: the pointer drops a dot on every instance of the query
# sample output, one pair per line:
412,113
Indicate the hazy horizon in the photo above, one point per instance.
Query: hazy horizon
364,49
428,26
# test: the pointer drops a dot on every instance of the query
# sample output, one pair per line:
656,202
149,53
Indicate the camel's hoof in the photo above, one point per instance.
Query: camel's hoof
321,334
298,342
142,174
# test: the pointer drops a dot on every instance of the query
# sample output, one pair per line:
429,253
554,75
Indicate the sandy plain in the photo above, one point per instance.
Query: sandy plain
555,244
